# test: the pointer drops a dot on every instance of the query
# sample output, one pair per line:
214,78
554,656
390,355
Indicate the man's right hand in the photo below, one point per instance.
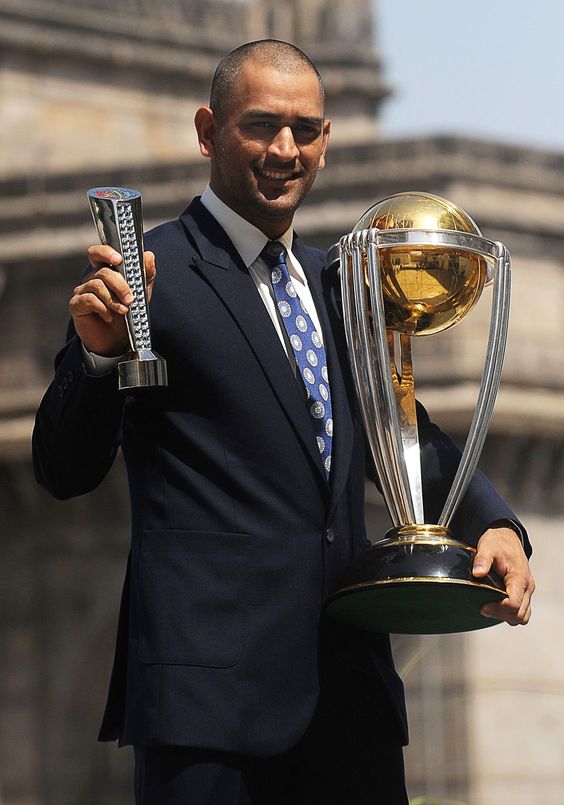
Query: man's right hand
99,305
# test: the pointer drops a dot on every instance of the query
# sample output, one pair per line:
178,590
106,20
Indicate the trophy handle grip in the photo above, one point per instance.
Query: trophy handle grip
489,386
371,362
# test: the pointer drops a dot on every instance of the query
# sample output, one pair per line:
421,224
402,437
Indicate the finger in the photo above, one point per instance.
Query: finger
117,285
524,612
506,609
501,612
108,285
512,618
87,304
515,607
526,602
103,255
96,288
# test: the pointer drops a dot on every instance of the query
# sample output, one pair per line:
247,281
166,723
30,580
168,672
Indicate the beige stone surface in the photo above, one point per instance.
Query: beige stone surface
546,791
62,124
534,352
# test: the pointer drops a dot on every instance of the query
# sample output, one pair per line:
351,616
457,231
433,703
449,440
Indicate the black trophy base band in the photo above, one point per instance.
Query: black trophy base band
142,369
415,586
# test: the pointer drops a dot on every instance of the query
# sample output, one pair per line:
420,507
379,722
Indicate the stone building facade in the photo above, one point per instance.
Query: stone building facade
105,95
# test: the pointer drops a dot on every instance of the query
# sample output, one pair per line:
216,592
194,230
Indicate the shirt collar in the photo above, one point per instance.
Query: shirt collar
247,239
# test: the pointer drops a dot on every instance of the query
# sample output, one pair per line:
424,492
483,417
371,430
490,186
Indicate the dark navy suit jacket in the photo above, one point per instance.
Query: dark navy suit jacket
237,537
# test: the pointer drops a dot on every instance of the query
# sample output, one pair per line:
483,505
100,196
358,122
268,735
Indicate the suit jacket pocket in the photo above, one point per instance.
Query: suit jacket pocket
192,587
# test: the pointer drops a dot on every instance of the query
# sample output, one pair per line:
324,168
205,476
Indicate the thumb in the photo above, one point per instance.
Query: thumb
482,563
149,261
150,271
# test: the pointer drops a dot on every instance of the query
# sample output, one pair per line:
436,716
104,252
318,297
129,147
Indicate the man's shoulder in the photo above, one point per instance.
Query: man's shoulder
315,256
175,232
168,229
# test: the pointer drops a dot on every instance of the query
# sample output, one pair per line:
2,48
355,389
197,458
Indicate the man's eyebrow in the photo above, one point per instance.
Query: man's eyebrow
311,120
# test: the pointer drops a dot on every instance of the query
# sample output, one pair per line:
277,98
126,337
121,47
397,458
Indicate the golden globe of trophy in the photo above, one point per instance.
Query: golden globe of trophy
415,265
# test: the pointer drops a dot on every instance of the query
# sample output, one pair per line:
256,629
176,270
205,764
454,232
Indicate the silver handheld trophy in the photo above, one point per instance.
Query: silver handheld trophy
119,221
414,265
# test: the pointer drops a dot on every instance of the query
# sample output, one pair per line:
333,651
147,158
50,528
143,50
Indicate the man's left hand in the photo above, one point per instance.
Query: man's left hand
500,549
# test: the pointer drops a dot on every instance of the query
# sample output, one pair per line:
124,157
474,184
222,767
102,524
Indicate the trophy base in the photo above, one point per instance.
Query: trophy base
142,369
416,581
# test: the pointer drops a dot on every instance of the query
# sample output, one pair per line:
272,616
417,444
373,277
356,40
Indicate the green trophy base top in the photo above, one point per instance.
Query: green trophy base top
416,581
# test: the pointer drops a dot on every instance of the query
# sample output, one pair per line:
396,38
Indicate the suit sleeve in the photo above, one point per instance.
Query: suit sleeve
481,505
77,427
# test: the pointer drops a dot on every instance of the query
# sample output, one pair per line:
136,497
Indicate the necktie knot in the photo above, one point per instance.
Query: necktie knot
273,253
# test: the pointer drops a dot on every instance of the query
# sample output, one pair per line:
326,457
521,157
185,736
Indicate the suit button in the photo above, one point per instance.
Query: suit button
70,375
65,383
330,535
61,391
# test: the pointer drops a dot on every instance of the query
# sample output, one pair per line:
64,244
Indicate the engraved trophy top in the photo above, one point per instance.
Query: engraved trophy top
114,193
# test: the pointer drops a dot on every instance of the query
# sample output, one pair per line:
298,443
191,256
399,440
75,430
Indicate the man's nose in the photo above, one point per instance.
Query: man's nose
283,146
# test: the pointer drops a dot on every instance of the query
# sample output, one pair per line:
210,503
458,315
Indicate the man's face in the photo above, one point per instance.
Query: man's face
268,148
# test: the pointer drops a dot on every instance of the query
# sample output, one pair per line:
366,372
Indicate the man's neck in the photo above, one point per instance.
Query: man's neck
248,239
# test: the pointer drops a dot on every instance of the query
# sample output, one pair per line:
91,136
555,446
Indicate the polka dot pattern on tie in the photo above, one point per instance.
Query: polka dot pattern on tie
307,346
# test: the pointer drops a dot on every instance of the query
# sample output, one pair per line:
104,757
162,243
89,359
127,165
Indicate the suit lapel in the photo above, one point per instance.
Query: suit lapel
222,268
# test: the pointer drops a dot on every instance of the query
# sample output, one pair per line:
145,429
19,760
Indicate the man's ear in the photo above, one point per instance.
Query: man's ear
204,120
326,133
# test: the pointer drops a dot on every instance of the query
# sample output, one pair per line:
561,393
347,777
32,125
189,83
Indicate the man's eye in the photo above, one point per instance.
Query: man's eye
306,132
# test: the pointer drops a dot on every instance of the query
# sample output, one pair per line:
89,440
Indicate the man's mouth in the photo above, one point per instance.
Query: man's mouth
276,175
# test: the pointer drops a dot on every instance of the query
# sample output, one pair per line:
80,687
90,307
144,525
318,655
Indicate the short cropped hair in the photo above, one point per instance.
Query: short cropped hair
283,56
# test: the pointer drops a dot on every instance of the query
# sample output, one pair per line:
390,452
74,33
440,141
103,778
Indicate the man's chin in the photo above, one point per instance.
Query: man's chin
280,201
273,193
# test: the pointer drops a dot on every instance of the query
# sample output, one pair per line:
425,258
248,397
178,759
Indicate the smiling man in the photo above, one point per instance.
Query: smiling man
266,136
247,480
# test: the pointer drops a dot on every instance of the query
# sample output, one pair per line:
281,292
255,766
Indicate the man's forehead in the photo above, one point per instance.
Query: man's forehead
255,73
267,86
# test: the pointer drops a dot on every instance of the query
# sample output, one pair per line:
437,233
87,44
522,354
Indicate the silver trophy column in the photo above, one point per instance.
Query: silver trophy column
118,218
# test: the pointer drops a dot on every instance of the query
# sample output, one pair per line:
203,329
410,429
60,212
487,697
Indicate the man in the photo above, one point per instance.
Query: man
247,504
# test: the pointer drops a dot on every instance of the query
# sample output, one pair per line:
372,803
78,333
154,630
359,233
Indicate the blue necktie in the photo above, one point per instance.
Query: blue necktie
307,346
